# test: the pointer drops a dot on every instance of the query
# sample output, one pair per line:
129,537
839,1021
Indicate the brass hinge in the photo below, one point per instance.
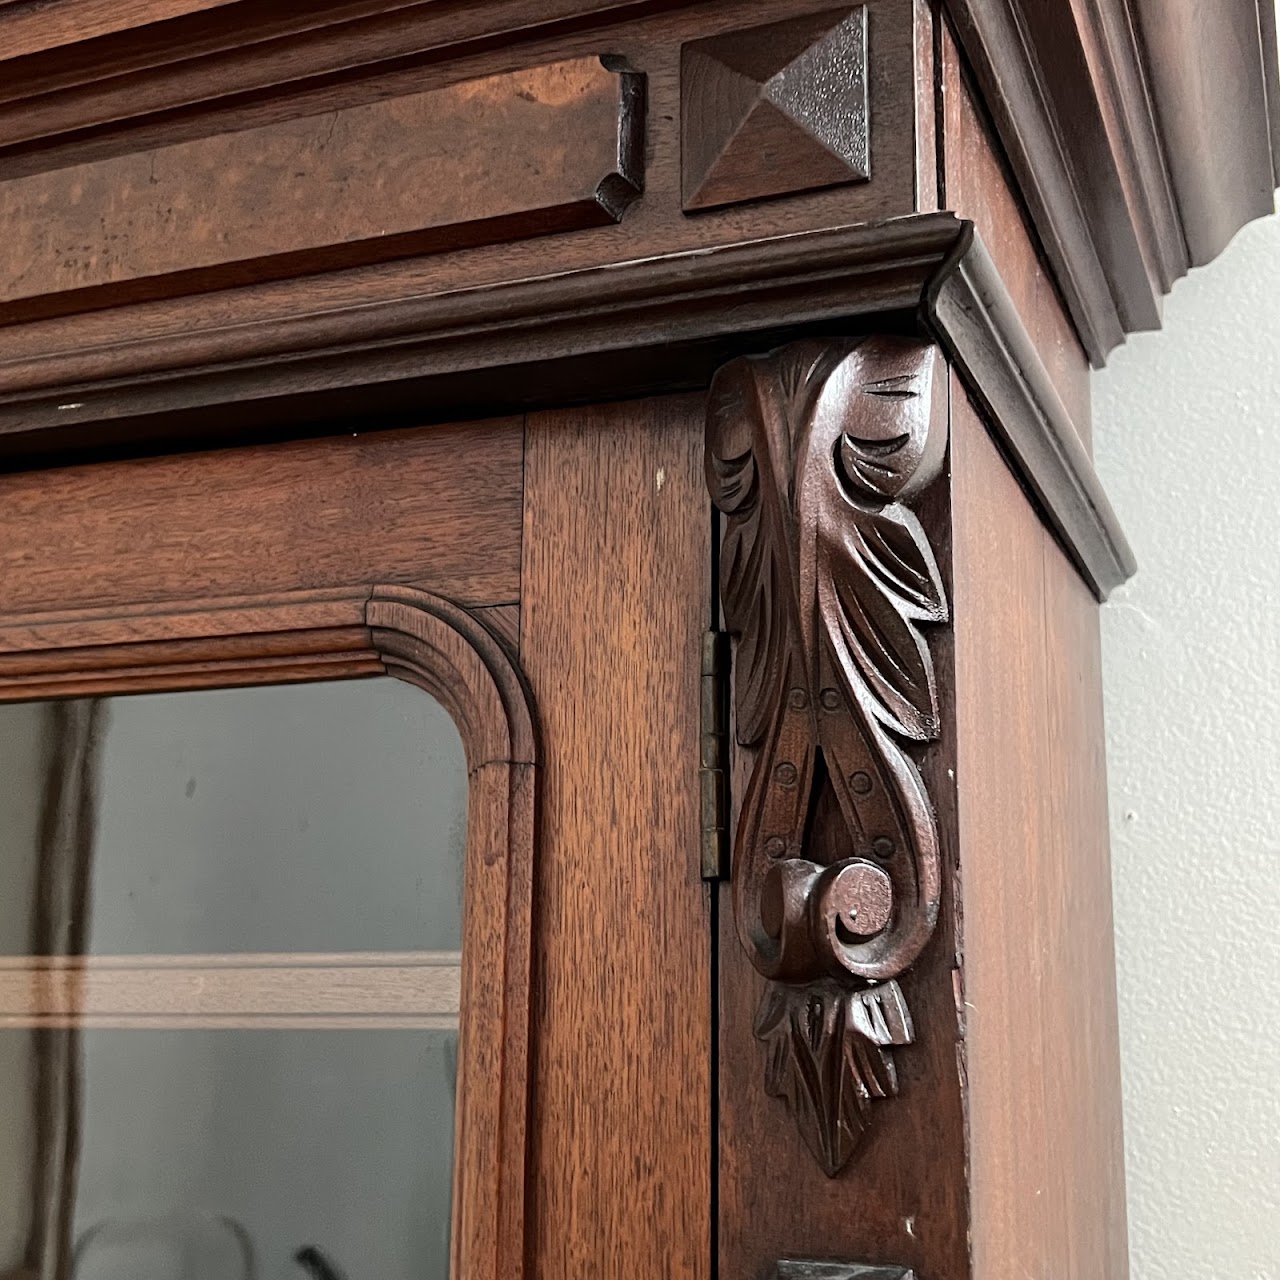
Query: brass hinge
713,774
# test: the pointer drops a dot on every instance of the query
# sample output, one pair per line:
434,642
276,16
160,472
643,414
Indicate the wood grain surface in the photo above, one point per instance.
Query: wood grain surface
498,158
616,598
28,27
260,328
1042,1053
440,507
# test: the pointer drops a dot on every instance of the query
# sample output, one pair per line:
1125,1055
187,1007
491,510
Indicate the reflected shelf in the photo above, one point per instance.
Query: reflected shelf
418,990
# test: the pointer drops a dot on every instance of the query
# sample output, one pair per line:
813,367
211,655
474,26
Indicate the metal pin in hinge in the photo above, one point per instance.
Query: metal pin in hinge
714,763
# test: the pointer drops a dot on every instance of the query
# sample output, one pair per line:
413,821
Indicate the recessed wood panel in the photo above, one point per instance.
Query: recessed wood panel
439,507
501,157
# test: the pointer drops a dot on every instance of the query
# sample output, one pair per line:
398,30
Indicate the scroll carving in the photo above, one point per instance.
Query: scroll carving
828,581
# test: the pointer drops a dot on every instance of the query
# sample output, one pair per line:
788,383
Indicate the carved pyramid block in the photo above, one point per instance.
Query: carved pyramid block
775,110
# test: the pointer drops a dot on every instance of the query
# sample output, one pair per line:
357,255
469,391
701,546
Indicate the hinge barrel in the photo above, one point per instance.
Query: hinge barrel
714,761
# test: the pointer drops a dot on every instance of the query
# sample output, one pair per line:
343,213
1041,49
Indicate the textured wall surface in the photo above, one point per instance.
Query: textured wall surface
1188,443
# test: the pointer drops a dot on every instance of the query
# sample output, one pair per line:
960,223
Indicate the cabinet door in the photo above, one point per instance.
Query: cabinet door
303,970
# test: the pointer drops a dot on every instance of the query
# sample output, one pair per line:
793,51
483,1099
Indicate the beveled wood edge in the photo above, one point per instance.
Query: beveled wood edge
439,646
976,321
135,71
679,297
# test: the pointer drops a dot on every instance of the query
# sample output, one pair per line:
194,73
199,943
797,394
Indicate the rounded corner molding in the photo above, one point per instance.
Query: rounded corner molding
442,647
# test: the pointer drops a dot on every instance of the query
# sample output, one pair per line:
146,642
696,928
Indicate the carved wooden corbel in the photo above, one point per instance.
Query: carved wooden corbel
827,581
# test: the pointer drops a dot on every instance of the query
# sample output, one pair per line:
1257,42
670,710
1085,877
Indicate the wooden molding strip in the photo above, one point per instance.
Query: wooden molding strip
683,297
1142,136
401,989
58,81
970,311
994,39
739,296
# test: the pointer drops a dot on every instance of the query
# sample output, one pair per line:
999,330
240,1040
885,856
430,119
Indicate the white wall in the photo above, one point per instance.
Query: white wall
1188,444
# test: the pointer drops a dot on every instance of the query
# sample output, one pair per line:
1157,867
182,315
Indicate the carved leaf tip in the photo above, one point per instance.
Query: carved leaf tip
827,1055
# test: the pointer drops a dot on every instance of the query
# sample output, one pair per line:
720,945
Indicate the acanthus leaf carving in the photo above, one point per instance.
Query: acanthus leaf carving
828,581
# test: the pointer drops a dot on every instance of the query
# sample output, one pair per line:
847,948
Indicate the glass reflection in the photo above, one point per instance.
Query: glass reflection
230,926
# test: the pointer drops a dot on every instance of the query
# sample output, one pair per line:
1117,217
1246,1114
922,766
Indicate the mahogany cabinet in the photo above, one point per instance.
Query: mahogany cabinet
549,568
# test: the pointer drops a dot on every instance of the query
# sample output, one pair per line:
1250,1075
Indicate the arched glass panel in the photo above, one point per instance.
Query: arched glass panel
230,948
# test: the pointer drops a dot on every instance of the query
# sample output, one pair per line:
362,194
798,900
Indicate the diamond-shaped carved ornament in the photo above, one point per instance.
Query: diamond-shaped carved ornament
775,110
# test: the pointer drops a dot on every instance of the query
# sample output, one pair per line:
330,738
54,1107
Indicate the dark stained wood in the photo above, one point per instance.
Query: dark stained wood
335,611
1220,145
902,1201
927,122
279,328
1041,1040
143,56
1100,153
827,580
616,599
364,349
508,156
29,28
775,109
979,187
440,647
437,507
981,328
1116,190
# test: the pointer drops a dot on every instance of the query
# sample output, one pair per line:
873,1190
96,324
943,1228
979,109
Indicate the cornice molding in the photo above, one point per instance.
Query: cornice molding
1141,135
385,335
656,320
969,310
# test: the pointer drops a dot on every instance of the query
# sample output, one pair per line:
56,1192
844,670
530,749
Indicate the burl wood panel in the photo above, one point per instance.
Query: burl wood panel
439,507
501,157
654,226
1046,1158
978,187
616,598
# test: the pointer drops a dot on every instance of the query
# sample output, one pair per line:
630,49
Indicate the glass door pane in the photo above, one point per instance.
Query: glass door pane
230,954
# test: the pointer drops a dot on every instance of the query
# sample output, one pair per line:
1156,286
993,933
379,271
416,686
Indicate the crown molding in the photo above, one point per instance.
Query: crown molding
1141,133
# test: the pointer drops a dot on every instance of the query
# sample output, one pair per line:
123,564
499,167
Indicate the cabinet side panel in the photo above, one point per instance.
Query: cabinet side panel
1042,1052
615,599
